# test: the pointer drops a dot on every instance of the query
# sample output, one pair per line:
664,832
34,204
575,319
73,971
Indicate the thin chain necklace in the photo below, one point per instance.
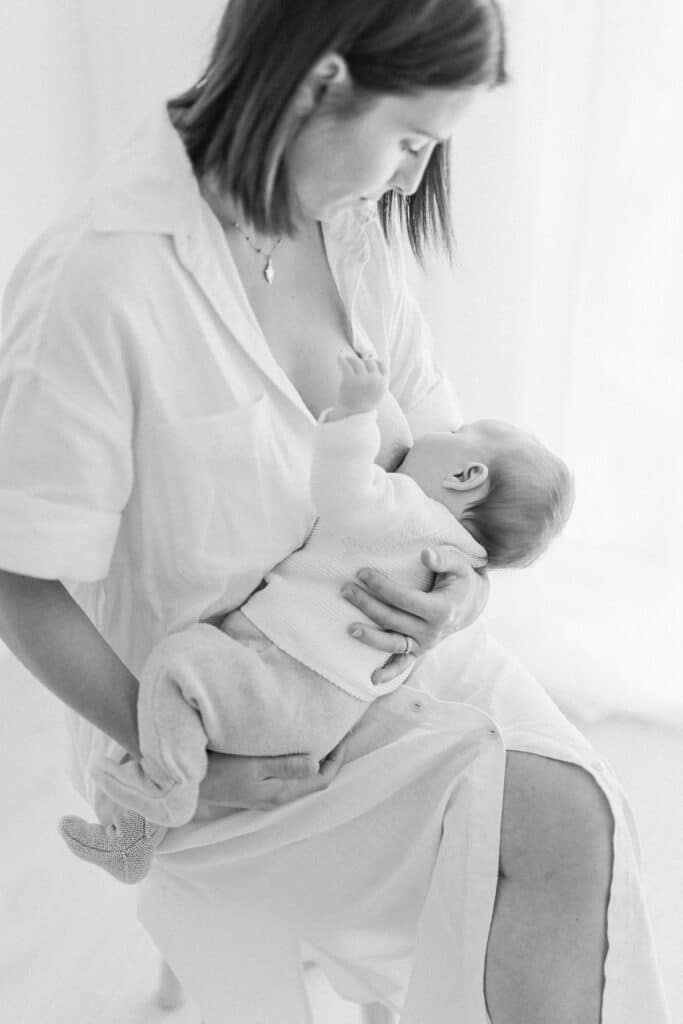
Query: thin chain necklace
269,269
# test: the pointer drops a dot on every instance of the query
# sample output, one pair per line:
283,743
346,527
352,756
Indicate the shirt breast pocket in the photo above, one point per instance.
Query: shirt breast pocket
216,507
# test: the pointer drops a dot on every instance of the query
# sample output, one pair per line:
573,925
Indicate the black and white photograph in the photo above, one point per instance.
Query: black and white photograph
341,512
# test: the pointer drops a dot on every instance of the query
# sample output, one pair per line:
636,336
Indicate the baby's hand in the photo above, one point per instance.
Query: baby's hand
363,385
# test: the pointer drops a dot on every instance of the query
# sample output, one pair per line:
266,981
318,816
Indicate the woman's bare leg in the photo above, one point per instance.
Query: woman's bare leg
547,946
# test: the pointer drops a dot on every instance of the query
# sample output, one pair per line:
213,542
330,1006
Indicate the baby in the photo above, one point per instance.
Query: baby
282,674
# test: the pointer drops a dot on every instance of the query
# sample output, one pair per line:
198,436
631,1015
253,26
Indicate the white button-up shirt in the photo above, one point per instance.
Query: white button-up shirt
148,434
154,456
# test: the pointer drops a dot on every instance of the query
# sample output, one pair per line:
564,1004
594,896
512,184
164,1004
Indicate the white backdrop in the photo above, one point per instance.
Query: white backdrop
563,312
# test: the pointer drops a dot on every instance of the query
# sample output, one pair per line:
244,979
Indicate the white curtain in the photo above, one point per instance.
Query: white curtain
563,312
76,76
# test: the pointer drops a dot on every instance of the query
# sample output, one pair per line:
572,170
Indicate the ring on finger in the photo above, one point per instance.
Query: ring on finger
408,645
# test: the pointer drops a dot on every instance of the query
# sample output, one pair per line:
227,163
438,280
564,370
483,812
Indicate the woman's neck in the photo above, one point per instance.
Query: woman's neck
230,213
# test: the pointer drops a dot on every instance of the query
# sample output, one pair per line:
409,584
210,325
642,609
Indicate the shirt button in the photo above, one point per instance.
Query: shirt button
417,706
493,732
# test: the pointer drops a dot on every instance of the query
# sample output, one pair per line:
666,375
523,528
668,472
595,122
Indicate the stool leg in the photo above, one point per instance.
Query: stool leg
169,995
375,1013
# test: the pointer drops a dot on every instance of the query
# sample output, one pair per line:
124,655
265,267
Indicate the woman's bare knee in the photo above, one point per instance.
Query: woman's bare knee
556,824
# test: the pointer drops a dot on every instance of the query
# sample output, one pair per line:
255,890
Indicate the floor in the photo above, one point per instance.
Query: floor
71,951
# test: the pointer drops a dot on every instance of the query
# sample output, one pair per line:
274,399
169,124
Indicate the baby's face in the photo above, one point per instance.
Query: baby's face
434,458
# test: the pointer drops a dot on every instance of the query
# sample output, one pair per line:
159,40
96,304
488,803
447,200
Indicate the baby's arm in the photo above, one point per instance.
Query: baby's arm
347,487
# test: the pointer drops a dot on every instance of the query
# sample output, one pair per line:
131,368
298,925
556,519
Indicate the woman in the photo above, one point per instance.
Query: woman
169,346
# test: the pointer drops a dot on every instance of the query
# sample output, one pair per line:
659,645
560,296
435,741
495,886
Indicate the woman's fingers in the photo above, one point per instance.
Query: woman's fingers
382,639
260,783
457,597
445,562
238,781
228,779
386,616
389,592
288,766
276,792
394,644
426,628
395,666
464,587
449,559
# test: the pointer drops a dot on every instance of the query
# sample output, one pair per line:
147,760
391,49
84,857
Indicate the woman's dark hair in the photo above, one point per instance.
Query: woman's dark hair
238,119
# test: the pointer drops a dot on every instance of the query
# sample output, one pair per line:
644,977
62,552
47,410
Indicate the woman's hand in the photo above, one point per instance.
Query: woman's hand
456,600
262,783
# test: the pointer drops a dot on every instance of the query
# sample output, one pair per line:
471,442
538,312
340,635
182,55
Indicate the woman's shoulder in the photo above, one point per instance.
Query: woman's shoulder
118,230
77,294
74,266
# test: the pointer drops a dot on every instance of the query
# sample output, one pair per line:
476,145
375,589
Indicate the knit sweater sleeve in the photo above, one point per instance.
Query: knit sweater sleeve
347,487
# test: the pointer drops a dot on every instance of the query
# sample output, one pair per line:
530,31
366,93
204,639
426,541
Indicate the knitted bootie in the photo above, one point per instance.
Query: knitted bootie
125,848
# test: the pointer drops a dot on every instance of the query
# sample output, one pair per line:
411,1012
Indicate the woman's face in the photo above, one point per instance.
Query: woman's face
336,161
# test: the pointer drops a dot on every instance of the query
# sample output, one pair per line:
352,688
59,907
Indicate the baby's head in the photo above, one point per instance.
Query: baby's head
506,488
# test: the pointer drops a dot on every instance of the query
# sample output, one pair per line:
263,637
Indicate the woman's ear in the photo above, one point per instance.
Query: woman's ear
331,71
474,474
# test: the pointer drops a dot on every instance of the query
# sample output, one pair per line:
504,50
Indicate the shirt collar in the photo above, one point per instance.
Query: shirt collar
150,185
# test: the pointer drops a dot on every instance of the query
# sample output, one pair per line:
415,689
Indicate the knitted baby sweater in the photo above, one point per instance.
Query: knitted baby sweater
366,518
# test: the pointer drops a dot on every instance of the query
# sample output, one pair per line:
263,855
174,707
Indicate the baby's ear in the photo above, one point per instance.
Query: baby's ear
474,474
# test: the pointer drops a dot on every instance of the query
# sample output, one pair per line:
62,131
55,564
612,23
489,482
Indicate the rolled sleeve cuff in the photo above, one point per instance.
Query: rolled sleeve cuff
357,430
437,410
49,540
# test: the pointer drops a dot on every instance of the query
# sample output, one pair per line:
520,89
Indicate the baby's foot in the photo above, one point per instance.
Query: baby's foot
125,848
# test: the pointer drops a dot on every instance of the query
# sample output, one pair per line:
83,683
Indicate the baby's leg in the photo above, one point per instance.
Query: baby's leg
231,690
249,696
164,785
124,849
274,704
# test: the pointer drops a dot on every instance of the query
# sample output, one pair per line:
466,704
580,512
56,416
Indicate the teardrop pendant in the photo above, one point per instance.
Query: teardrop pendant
269,271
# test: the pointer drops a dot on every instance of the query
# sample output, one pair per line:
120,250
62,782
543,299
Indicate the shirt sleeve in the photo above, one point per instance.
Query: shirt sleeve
424,393
66,416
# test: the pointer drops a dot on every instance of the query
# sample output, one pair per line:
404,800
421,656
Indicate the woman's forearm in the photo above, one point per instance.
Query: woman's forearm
56,641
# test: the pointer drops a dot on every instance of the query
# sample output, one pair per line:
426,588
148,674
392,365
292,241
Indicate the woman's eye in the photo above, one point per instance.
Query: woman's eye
412,151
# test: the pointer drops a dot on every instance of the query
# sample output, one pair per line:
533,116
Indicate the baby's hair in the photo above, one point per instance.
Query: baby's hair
530,499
